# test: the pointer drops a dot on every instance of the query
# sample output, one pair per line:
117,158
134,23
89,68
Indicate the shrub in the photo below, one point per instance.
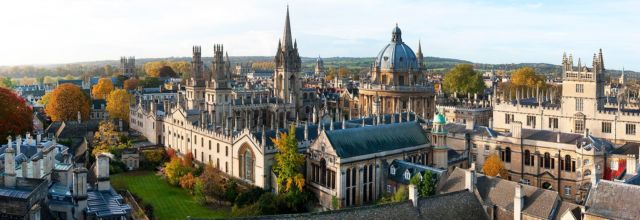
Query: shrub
188,181
230,190
249,197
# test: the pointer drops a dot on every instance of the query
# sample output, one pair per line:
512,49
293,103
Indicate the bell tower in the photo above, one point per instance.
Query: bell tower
287,84
439,142
195,89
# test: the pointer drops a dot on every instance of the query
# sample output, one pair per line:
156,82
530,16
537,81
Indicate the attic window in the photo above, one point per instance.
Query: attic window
392,170
407,175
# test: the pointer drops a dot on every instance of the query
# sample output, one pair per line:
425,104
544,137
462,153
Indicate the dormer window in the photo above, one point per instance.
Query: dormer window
407,175
392,170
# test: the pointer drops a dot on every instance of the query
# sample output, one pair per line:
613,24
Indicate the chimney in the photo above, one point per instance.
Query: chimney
18,144
79,188
632,164
518,202
35,167
413,195
79,117
470,124
102,172
306,131
9,166
38,138
490,122
470,178
25,170
516,129
558,137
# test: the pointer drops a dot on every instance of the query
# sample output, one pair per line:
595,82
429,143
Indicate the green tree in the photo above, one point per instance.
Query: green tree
428,184
6,82
463,79
288,162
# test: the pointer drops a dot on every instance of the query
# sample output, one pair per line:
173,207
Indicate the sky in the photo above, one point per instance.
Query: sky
508,31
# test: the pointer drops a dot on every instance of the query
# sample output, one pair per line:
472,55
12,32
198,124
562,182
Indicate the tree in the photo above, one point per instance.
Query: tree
288,162
343,72
149,82
45,99
16,117
107,139
526,77
6,82
331,74
174,170
130,84
494,167
428,184
187,181
463,79
118,104
65,103
102,89
166,71
211,179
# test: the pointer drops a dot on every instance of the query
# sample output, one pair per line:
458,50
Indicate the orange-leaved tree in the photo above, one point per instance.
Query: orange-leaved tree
16,117
526,77
66,101
494,167
288,162
130,84
102,89
118,103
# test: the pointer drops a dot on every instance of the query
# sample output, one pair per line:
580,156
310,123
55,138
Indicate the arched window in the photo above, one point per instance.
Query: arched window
323,172
587,173
392,170
507,154
527,157
407,175
246,163
547,160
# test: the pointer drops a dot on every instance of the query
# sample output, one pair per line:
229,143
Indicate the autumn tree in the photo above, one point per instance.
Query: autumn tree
343,72
331,74
526,77
118,104
130,84
16,117
463,79
6,82
174,170
107,140
268,65
66,101
494,167
102,89
187,181
288,162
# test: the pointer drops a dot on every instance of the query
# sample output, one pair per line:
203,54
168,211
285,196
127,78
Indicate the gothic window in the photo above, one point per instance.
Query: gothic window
527,158
567,163
407,175
392,170
323,172
506,155
547,161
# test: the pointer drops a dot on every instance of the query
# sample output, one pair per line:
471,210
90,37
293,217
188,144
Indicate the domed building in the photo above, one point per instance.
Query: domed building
397,82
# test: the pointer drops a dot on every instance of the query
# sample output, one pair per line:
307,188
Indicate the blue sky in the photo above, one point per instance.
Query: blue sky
44,32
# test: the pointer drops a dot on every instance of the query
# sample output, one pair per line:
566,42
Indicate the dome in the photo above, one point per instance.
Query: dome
439,118
397,56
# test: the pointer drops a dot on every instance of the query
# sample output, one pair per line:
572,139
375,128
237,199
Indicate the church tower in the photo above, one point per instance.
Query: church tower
319,70
195,88
128,66
420,57
219,80
287,84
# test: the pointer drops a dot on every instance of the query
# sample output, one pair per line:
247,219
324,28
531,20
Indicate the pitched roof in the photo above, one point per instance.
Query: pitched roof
613,200
538,202
402,166
373,139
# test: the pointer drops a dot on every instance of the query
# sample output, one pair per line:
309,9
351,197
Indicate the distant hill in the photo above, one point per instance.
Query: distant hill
433,64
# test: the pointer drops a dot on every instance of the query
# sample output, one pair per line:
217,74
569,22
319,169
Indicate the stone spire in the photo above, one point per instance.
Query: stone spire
287,41
420,56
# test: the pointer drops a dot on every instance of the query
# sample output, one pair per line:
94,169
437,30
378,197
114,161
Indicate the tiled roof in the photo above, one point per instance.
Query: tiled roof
373,139
402,166
568,207
538,202
106,204
614,200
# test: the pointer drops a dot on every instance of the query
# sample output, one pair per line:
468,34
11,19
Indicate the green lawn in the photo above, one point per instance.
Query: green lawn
168,202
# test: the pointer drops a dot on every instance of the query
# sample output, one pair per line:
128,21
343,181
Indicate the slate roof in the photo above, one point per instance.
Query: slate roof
613,200
569,207
460,128
629,148
373,139
106,204
456,205
402,166
538,202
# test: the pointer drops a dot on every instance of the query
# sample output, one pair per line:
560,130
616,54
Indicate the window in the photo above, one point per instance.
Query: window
508,118
630,129
226,150
407,175
486,147
579,104
579,126
475,146
351,187
567,190
531,121
546,161
525,181
218,148
567,164
528,158
579,88
392,170
553,123
606,127
506,155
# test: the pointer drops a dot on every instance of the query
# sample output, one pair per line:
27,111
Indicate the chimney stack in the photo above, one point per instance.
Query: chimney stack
79,188
413,195
9,166
470,178
102,172
518,202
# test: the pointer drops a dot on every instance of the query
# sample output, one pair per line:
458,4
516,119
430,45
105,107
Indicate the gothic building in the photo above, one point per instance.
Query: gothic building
397,82
128,66
583,106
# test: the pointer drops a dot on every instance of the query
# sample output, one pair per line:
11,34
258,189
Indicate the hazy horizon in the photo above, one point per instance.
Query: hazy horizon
47,32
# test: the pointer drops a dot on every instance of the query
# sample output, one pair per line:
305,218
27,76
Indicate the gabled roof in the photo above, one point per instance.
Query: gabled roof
373,139
495,191
614,200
